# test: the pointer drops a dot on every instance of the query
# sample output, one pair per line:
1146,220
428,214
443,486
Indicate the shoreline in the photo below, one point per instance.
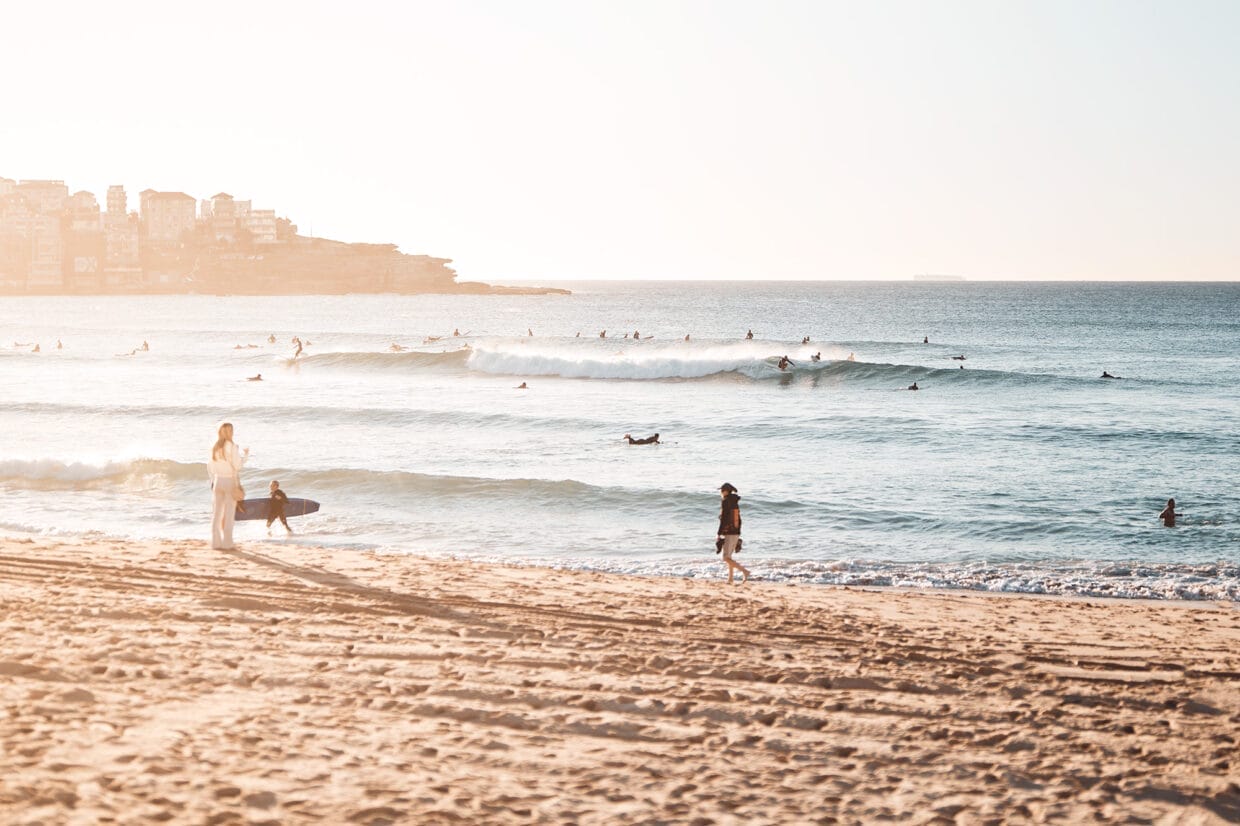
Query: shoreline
162,680
276,543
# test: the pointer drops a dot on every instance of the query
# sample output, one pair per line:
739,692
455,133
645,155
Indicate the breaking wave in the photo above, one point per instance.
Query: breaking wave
645,360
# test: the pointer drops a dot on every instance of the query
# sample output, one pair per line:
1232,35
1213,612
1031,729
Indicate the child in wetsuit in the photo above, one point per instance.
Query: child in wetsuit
275,507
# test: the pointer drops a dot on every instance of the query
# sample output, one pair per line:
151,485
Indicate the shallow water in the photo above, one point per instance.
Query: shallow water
1023,471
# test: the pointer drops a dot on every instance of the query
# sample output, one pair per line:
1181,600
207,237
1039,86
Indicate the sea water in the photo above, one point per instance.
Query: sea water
1023,471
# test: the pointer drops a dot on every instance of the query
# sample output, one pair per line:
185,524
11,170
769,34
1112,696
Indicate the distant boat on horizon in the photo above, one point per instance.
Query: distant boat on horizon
931,277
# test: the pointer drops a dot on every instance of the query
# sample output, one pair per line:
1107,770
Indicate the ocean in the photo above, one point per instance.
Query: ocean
1023,471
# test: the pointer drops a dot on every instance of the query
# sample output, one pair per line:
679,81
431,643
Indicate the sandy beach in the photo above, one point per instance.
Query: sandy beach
165,682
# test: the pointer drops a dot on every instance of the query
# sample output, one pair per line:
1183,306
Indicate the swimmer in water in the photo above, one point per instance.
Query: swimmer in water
649,440
1168,514
926,340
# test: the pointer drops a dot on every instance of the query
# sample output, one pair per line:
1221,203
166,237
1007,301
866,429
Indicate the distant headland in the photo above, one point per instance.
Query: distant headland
938,278
54,243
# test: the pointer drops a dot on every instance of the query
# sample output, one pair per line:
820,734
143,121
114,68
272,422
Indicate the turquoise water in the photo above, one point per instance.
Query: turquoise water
1023,471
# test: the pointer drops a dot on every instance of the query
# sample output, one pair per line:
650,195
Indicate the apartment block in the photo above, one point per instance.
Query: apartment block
166,216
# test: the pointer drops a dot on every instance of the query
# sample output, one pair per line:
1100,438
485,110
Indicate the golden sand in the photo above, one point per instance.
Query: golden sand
165,682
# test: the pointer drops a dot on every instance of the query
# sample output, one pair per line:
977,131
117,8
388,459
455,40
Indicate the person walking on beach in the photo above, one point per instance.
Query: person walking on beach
224,470
728,540
1168,514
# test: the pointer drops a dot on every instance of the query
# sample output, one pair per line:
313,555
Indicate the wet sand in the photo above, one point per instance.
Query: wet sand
165,682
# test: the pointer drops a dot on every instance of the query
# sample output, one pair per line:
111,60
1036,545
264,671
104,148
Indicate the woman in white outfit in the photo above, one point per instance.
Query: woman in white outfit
224,469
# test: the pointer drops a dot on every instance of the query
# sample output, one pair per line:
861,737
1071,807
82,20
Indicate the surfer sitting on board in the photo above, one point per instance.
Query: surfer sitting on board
275,507
816,357
649,440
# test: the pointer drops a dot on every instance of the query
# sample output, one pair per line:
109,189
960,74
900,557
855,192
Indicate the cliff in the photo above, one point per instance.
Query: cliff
301,265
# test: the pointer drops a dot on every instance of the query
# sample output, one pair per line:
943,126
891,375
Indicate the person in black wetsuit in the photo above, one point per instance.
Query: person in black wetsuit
275,507
649,440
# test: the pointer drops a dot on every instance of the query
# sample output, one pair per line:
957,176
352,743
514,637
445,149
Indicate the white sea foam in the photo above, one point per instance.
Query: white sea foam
642,359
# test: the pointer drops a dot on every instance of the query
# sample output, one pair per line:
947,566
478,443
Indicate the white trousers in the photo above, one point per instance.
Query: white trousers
225,512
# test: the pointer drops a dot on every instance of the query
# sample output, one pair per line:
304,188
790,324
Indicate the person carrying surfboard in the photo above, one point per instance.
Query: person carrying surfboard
275,507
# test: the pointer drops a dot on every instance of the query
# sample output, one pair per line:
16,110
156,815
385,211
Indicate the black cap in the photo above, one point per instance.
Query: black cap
728,487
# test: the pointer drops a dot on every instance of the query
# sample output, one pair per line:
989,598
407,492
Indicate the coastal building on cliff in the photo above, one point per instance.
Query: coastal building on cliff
122,265
51,242
166,216
84,248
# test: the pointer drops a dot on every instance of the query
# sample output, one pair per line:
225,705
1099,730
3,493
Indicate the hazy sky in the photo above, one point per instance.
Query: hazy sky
534,140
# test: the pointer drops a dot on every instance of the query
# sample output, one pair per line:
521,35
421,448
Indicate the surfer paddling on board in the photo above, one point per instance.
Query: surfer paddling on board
649,440
1107,375
259,377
